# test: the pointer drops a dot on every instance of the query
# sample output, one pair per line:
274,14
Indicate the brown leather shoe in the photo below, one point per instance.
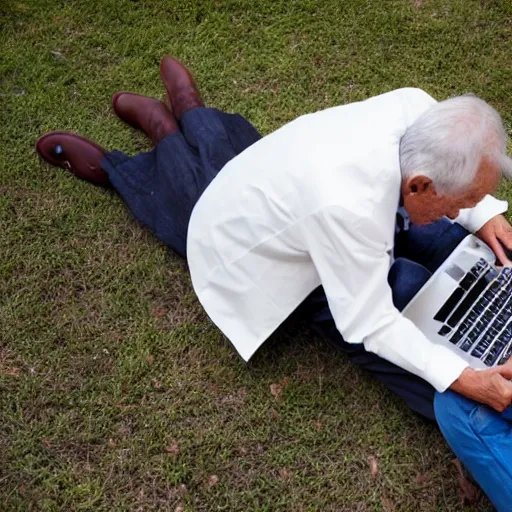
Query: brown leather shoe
180,85
146,114
76,154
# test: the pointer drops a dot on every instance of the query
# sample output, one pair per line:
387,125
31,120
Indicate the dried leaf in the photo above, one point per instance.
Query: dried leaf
213,481
316,60
12,372
173,448
150,359
469,493
421,479
276,390
374,467
284,473
159,312
388,505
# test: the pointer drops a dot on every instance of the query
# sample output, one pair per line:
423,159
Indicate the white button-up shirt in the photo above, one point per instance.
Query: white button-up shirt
315,203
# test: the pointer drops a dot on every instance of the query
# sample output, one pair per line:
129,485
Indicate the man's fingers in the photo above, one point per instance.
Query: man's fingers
505,370
499,252
503,389
503,384
507,240
505,234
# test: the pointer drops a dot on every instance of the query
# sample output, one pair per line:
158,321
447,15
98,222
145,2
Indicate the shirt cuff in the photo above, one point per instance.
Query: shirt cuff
474,218
444,368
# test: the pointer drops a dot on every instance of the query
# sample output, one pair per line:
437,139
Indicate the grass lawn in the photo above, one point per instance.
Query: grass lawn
116,392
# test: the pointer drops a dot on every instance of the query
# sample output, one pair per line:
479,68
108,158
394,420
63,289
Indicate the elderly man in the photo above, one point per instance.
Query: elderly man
307,216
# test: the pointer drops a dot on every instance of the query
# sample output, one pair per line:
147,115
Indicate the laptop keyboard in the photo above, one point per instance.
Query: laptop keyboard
477,317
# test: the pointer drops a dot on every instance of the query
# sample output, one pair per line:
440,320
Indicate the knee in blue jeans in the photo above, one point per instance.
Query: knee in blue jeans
455,413
451,408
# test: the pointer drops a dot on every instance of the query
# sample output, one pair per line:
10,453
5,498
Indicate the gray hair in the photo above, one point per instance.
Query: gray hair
448,141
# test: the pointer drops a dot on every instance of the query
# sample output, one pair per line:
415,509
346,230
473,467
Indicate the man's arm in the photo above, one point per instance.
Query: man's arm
353,267
474,218
486,221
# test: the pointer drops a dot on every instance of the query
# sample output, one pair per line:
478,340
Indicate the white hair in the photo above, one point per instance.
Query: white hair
448,142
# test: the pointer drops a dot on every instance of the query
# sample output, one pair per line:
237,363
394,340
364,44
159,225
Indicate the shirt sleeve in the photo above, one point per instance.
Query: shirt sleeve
474,218
353,267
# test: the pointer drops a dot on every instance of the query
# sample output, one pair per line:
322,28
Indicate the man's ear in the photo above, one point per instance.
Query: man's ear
418,185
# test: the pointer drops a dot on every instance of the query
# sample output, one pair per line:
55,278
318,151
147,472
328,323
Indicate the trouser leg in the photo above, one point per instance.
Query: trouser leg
431,244
162,186
482,439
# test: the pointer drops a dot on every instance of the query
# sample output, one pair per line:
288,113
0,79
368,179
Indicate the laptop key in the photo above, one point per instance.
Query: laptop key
456,337
479,307
467,281
449,305
478,351
466,345
465,326
471,317
479,267
499,323
482,346
445,330
495,352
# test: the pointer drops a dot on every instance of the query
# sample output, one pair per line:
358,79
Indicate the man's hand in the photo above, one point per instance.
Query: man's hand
491,387
492,232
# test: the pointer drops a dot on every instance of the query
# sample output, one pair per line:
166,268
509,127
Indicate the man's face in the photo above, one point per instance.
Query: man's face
424,205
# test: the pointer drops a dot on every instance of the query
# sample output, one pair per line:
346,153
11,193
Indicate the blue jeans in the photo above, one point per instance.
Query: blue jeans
482,440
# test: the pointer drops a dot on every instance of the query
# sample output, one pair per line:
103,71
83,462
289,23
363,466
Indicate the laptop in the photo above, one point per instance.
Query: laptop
467,305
